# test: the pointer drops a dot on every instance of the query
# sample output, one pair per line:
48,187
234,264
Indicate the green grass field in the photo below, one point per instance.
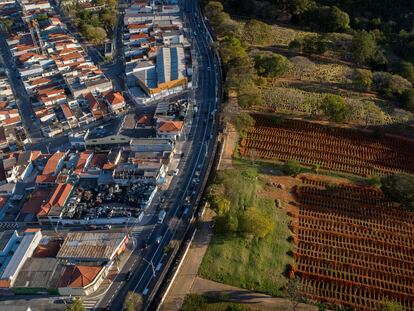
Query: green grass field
256,264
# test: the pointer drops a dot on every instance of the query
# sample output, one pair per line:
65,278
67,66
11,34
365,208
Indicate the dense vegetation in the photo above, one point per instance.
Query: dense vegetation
392,21
97,25
250,245
399,188
372,80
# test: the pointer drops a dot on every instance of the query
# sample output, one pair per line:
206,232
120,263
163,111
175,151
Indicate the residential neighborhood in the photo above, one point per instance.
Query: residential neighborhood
89,158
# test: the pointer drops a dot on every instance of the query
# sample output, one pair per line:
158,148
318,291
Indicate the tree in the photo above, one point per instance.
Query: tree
212,9
292,168
96,35
335,108
244,121
407,99
314,45
108,20
399,188
390,84
271,64
390,305
7,23
363,47
363,78
220,204
231,49
406,70
133,302
326,18
254,221
75,305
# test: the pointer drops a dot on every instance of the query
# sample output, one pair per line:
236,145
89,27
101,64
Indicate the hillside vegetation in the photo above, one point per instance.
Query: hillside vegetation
276,67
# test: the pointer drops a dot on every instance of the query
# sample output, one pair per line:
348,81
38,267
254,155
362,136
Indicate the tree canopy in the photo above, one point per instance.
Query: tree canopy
364,47
363,78
335,108
407,99
399,188
133,302
271,64
326,18
254,221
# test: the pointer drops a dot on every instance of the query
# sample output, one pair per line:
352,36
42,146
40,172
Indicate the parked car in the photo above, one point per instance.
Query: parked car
128,275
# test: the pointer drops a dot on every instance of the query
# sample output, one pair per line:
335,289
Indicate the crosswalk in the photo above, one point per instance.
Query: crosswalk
89,303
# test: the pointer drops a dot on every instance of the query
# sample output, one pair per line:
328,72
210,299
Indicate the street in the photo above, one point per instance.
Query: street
147,264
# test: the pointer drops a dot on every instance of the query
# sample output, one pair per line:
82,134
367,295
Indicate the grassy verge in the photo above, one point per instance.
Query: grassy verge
244,261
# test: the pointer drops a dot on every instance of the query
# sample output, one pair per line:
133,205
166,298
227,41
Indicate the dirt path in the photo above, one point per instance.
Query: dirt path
255,300
230,142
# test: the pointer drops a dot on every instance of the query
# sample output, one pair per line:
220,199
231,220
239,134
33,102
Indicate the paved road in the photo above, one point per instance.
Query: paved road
23,100
197,151
187,274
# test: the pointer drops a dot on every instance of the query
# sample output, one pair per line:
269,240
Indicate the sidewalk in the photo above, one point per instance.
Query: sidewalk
255,300
186,276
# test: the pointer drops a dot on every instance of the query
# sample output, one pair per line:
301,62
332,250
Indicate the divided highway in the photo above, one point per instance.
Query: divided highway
148,264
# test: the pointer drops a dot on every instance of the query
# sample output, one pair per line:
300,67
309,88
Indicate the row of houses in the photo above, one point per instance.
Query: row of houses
10,121
66,88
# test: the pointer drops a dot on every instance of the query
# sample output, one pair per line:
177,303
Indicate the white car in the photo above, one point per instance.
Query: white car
175,172
158,239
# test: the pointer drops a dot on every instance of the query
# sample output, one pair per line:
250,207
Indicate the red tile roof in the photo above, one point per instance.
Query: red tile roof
115,98
83,157
66,111
58,198
99,160
170,126
48,250
35,200
79,276
52,163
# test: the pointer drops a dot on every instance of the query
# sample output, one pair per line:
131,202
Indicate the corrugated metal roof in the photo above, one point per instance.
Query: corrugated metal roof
91,245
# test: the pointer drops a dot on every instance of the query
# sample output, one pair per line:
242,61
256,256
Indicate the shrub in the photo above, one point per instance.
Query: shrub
271,64
407,99
254,221
406,70
399,188
244,121
363,78
390,84
292,168
363,47
335,108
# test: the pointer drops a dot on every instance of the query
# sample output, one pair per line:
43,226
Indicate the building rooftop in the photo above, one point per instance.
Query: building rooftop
100,246
39,273
79,276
